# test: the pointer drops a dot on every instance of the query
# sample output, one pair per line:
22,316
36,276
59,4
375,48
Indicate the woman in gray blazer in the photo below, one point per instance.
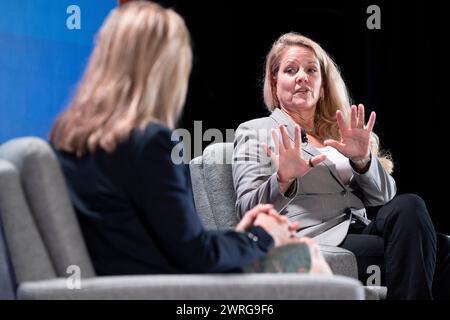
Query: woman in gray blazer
319,163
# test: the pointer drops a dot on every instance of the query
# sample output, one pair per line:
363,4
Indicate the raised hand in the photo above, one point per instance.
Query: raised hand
288,157
355,139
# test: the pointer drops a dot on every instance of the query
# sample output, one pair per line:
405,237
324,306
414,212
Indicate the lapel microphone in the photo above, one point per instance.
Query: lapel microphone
303,135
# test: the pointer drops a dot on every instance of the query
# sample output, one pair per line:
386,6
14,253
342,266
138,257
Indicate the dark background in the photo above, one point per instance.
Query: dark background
399,71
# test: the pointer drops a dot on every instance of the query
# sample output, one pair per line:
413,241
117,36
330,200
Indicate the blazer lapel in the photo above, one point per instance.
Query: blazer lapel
281,118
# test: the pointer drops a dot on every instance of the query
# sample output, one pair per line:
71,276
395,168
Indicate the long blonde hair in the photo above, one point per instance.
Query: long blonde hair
335,97
137,73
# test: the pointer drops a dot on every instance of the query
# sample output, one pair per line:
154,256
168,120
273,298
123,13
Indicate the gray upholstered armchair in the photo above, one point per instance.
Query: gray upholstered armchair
215,199
44,240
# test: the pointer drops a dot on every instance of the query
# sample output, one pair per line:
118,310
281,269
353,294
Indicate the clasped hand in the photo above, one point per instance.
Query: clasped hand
283,232
279,227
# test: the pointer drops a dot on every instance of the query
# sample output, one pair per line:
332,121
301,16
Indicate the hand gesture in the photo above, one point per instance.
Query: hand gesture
355,139
288,157
250,217
278,227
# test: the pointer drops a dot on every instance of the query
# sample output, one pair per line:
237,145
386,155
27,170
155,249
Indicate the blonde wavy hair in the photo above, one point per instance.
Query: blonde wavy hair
138,73
335,97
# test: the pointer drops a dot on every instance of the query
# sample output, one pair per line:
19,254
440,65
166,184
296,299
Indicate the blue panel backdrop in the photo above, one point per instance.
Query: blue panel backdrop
41,60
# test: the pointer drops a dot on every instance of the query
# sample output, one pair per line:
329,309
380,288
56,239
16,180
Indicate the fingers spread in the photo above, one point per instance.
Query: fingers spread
318,159
371,121
285,137
361,121
340,120
353,117
333,143
297,137
266,149
276,141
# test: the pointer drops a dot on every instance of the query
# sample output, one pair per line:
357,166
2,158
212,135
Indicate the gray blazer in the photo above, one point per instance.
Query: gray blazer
320,201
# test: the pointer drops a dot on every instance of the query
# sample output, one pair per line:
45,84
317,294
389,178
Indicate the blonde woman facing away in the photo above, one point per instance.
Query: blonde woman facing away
135,206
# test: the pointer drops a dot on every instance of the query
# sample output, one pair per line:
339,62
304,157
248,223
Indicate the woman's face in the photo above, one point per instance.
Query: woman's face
299,80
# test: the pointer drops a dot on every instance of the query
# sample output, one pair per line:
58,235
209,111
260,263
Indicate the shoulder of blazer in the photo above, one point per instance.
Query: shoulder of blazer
154,131
259,123
152,136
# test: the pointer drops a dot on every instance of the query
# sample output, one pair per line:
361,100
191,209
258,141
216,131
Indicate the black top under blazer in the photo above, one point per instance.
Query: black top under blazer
137,214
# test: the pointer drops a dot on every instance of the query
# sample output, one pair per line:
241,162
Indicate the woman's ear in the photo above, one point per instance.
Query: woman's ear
322,92
274,85
274,91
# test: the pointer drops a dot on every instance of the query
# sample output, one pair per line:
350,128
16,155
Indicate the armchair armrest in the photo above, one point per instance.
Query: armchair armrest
341,261
199,287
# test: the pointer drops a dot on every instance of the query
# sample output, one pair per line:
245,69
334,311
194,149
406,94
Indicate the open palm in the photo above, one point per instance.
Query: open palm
288,157
355,139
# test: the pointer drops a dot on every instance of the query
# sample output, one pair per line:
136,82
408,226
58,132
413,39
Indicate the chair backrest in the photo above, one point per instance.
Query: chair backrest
29,256
7,276
39,202
212,184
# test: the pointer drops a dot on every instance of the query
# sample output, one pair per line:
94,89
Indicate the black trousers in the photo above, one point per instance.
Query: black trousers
414,260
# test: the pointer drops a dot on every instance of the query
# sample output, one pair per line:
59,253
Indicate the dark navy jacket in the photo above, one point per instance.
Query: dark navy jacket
136,211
